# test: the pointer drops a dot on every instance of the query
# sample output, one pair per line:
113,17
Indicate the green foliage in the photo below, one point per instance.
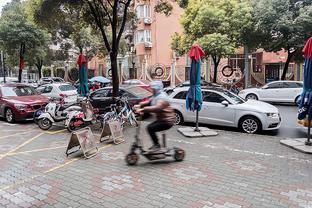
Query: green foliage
286,23
17,29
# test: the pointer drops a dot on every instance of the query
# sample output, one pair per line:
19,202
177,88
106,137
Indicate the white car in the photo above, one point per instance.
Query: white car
223,108
68,91
277,91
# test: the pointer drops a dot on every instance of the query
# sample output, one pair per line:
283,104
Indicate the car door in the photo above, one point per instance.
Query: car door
290,91
214,112
2,104
272,92
178,102
101,99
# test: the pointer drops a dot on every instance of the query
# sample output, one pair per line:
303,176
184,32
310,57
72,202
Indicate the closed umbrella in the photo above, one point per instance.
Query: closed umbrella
305,106
194,98
83,76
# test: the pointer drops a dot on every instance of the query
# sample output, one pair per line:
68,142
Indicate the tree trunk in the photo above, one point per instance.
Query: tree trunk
21,62
39,67
246,66
114,68
216,62
290,55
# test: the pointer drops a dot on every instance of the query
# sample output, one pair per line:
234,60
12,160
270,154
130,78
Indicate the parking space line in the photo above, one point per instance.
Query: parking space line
21,133
48,171
55,132
35,150
21,145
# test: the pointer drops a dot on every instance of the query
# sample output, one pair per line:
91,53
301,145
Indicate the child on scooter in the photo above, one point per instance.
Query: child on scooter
160,107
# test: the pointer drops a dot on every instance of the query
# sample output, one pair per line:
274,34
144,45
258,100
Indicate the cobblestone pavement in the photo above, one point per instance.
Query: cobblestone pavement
230,170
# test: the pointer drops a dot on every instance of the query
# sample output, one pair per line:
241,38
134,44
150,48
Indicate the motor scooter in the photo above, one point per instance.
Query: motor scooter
54,112
132,158
81,118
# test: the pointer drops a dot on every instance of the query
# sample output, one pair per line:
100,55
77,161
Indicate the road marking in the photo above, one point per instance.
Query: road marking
47,171
35,150
20,146
21,133
55,132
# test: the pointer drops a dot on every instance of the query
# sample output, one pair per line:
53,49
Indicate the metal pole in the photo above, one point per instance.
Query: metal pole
246,70
197,129
308,142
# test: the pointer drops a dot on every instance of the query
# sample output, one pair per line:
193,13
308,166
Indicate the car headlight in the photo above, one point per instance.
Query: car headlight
20,106
242,92
272,115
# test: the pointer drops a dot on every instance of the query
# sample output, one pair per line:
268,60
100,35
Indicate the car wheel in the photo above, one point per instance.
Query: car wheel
178,118
250,124
252,97
9,115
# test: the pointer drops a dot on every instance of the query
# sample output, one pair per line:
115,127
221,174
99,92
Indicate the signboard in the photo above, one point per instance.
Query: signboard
83,139
112,130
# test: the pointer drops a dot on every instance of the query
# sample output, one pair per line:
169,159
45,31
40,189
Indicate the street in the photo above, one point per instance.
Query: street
229,170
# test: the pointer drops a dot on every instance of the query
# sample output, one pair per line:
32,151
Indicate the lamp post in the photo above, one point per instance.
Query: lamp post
3,65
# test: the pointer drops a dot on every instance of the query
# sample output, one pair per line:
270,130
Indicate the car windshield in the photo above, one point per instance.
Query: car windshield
18,91
67,88
235,98
57,80
140,92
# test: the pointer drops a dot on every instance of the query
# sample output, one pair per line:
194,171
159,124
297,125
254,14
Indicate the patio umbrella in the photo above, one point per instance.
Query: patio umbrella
83,77
305,106
194,95
100,79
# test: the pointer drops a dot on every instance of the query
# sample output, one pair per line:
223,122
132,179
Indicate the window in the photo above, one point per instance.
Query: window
212,97
102,93
67,88
181,95
274,85
47,89
143,36
292,85
143,11
18,91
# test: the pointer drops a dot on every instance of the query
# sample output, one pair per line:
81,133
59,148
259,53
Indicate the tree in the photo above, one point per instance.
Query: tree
218,26
287,24
18,36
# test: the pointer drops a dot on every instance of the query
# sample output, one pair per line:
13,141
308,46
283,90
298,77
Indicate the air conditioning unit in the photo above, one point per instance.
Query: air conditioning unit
148,44
147,21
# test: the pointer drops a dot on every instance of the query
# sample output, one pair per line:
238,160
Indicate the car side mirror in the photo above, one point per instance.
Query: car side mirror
225,103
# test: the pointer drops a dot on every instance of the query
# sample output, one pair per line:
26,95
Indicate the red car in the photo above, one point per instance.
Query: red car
139,83
19,102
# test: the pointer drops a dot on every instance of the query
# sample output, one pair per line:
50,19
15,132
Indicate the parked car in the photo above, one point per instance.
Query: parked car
277,91
19,102
55,90
102,98
30,82
136,82
223,108
203,83
49,80
8,80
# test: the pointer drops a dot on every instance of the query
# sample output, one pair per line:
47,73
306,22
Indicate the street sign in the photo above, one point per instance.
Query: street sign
112,130
82,139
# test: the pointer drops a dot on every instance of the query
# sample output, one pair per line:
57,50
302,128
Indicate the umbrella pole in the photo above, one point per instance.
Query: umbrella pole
308,142
197,129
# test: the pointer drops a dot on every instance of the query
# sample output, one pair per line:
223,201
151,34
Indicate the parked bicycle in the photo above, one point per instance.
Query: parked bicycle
122,112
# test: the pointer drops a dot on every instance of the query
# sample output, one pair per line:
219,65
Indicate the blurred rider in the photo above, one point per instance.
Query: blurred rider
160,107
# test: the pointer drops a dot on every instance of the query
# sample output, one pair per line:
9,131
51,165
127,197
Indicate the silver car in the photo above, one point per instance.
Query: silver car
221,107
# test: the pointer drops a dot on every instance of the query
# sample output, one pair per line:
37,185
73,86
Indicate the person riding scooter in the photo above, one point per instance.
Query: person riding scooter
160,107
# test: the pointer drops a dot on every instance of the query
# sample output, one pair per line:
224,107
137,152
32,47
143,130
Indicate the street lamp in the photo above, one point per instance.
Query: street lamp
3,65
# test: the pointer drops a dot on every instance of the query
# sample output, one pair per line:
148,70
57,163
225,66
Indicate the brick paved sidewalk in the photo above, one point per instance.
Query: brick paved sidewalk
230,170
